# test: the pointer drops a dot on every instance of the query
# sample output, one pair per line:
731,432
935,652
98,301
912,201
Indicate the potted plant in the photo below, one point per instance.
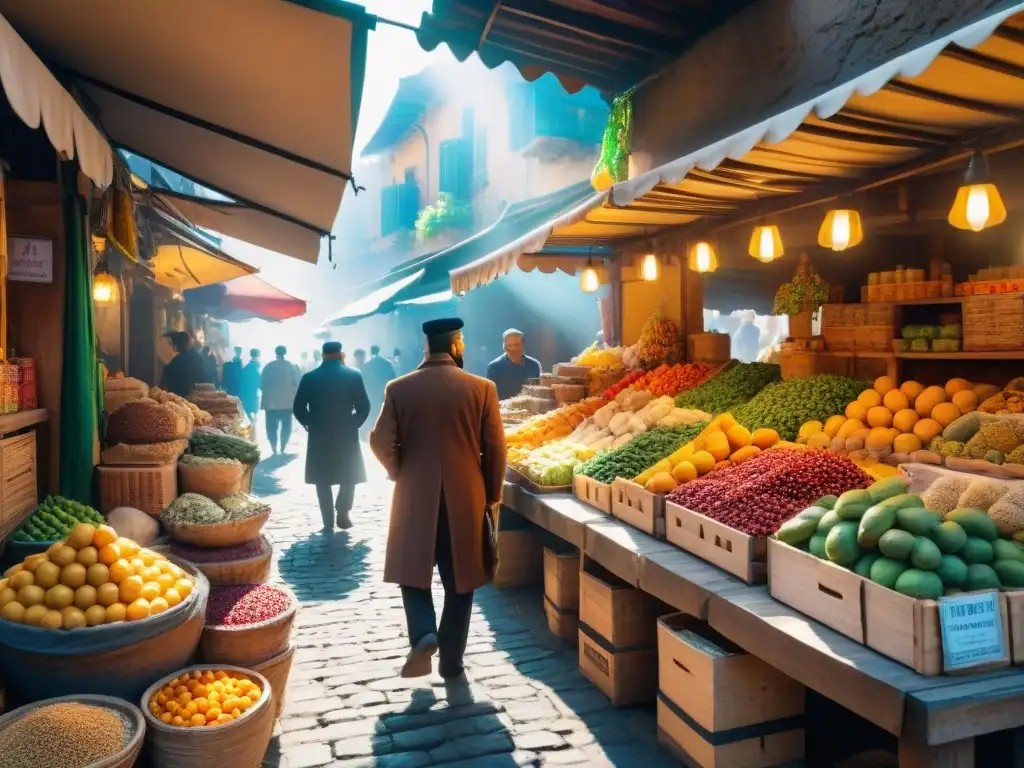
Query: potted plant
800,298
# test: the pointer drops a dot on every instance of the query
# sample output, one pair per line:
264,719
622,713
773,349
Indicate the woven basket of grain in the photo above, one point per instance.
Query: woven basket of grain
218,534
241,743
144,454
131,716
277,670
250,570
247,473
993,323
213,480
248,644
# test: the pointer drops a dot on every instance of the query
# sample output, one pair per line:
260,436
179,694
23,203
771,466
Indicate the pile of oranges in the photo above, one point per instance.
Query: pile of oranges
91,578
204,698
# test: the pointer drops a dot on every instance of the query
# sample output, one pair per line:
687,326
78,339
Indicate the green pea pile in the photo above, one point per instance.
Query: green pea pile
641,452
730,388
788,404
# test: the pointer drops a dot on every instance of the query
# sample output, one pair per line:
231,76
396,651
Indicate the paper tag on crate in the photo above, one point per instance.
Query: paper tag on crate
972,630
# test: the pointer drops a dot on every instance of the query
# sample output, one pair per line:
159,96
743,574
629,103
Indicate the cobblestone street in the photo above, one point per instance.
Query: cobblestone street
525,703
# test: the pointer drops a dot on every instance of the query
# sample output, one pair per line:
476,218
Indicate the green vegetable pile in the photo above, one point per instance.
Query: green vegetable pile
886,535
54,519
730,388
788,404
212,446
641,452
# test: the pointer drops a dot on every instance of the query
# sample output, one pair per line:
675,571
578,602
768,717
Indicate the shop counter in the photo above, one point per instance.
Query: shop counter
935,718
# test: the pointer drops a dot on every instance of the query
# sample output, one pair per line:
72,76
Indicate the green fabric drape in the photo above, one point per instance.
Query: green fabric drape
79,385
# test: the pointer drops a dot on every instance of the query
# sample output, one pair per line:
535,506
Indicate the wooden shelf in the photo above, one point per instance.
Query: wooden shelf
960,355
12,422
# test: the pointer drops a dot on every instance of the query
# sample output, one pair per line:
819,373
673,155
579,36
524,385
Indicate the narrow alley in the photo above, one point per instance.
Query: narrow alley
525,703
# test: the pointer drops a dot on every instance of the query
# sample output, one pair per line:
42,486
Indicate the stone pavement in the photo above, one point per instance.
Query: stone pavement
526,703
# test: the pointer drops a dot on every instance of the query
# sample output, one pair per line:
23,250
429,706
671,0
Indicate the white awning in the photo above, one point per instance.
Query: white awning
256,100
934,96
38,99
368,304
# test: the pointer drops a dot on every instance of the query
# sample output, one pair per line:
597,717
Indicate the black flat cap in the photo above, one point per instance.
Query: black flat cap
445,325
331,347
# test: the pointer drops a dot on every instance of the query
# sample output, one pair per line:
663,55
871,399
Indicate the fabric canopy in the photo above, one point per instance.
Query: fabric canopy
38,99
257,101
371,303
608,44
246,298
949,90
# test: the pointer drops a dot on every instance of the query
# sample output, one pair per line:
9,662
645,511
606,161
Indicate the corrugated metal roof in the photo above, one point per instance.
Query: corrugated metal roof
608,44
953,90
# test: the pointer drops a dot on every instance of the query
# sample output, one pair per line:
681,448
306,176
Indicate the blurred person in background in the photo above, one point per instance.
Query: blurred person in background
304,365
377,372
745,340
396,361
440,438
318,358
512,370
279,382
331,404
250,390
232,374
210,367
359,358
186,369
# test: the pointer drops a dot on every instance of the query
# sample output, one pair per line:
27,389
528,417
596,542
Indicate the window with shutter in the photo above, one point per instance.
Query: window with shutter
455,175
408,203
389,210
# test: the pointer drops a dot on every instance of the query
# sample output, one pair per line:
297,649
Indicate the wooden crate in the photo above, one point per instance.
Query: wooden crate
520,559
716,683
875,338
563,624
621,614
590,491
19,483
748,748
731,550
840,339
993,323
798,364
625,674
150,489
562,579
708,347
900,627
636,506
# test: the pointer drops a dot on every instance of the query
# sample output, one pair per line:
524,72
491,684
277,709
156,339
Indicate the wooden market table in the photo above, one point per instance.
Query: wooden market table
935,718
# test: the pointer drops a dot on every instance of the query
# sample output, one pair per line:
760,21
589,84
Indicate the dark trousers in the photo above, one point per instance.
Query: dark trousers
419,607
342,504
279,420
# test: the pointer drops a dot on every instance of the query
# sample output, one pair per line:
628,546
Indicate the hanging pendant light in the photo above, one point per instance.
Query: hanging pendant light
702,257
978,204
104,286
650,268
589,280
766,243
841,229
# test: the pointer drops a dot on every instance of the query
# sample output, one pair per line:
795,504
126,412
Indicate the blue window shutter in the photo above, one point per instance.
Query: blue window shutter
455,175
389,209
480,159
408,204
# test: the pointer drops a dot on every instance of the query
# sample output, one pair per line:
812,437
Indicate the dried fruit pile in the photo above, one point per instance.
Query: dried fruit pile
65,735
245,604
204,698
552,425
658,342
672,379
757,496
252,548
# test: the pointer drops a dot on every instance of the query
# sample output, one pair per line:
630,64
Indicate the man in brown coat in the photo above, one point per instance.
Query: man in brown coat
440,438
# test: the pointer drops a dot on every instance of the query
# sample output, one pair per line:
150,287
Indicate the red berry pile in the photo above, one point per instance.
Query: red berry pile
760,494
246,604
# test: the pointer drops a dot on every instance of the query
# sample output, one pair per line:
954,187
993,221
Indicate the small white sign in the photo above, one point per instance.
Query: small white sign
30,259
972,630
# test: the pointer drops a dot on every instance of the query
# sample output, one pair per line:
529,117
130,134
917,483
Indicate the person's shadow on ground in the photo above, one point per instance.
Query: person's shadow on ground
266,479
324,567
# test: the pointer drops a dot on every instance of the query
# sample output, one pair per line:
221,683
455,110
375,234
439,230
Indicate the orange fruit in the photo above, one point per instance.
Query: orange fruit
21,579
85,597
32,562
213,713
147,556
109,554
225,719
198,719
87,556
104,536
184,587
116,612
64,556
166,581
137,565
176,720
150,573
97,575
73,618
166,717
138,610
95,616
150,590
73,575
128,547
81,536
130,589
107,594
34,615
58,597
47,575
52,620
120,570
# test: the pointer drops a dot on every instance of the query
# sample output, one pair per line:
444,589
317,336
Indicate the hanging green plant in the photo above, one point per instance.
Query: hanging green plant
807,291
613,163
446,213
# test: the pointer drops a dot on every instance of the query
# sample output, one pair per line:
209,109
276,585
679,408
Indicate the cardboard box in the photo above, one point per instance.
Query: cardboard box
636,506
733,551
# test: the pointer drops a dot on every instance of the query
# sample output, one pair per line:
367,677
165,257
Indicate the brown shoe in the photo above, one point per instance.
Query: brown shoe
418,663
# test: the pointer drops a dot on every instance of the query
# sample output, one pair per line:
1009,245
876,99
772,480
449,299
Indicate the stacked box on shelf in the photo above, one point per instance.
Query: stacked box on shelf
720,706
150,489
593,492
18,480
520,554
617,636
636,506
562,593
731,550
993,323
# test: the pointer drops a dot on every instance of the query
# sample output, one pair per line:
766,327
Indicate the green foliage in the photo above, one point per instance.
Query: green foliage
803,292
446,213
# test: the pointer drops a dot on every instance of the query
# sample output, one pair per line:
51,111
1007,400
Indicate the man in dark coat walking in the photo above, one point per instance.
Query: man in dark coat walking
332,405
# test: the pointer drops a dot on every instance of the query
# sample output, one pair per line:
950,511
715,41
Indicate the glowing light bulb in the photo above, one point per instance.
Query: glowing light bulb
766,243
589,281
766,246
978,209
649,268
703,257
103,288
841,231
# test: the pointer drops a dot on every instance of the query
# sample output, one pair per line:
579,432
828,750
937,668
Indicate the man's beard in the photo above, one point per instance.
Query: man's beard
458,361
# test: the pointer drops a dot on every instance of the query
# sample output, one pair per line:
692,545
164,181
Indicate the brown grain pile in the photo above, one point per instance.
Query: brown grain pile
66,735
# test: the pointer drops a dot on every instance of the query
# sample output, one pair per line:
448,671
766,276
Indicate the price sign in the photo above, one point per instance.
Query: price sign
972,630
29,260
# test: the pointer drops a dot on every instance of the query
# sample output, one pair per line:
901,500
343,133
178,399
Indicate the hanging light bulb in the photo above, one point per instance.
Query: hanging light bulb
649,268
104,287
978,204
766,243
589,280
841,229
702,257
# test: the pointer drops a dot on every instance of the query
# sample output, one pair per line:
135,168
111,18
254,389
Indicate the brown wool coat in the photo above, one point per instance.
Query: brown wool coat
439,429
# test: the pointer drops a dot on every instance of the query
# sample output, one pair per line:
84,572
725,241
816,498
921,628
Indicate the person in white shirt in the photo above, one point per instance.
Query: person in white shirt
279,382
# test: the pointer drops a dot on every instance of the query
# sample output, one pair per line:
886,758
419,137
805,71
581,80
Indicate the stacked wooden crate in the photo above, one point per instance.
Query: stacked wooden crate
562,592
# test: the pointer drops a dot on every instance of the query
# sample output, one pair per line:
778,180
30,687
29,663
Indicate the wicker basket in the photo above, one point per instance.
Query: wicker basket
239,744
708,347
277,670
150,489
994,323
248,644
214,481
218,534
251,570
247,473
136,725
